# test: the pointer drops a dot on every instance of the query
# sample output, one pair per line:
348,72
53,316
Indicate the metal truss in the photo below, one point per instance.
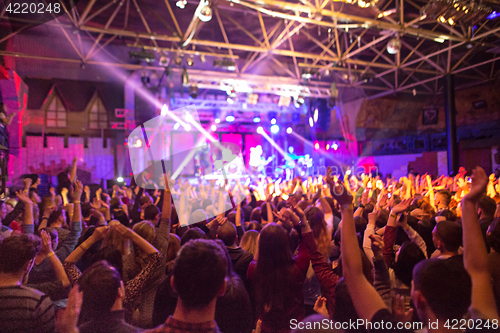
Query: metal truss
330,40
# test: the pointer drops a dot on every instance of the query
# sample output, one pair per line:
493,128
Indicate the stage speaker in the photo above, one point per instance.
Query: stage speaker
324,114
144,110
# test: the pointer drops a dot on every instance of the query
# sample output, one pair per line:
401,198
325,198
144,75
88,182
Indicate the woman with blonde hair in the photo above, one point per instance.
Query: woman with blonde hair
250,242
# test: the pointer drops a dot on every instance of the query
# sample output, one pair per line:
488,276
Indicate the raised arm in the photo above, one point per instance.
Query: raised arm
475,253
367,301
28,227
72,174
75,229
54,260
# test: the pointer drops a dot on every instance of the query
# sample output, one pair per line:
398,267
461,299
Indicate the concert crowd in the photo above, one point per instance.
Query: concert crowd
319,254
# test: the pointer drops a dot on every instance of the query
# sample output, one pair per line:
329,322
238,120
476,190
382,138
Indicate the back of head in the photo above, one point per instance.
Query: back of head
16,251
487,205
256,215
198,216
193,233
86,209
199,273
146,230
254,225
249,241
151,212
112,256
55,215
316,220
174,246
445,285
205,203
450,235
409,255
99,284
227,233
445,196
247,211
493,235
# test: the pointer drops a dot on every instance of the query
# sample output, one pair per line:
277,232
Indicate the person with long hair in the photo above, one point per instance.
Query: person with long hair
277,279
249,242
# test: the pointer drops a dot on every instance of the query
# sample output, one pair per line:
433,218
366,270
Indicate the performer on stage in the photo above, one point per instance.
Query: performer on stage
258,163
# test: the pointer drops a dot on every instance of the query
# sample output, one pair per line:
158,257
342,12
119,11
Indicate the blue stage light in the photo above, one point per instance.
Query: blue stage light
256,120
275,129
230,119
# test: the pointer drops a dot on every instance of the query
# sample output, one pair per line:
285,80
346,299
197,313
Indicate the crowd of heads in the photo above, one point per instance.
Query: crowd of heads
125,249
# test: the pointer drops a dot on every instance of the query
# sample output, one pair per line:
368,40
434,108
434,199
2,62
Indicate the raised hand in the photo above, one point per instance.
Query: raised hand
373,216
478,185
341,194
399,309
52,192
27,183
402,206
67,320
123,231
96,203
377,245
169,181
77,193
100,233
64,191
23,197
329,179
320,307
46,243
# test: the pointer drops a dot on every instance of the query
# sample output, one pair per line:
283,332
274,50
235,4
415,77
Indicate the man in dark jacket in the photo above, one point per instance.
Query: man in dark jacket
239,257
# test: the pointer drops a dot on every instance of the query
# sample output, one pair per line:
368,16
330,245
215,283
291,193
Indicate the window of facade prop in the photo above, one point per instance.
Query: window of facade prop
56,113
98,117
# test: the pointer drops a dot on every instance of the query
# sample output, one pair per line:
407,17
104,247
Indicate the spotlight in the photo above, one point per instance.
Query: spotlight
327,146
493,15
311,123
290,150
138,143
163,61
394,46
119,179
316,115
316,146
188,117
275,129
178,61
335,146
225,64
164,110
260,130
289,130
193,91
187,127
230,100
217,120
205,13
176,126
230,118
299,100
273,121
213,128
189,61
256,119
181,4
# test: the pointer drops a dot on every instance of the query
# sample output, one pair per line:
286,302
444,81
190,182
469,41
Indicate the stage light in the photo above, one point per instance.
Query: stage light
188,117
316,115
176,126
164,110
230,100
193,92
493,15
213,128
138,143
205,12
328,146
316,146
275,129
394,46
260,130
273,121
189,61
187,127
229,119
119,179
217,120
289,130
181,4
290,150
256,119
163,61
348,172
311,123
335,146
